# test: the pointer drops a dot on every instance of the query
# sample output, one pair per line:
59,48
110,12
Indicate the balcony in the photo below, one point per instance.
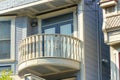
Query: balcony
107,3
112,29
33,7
49,54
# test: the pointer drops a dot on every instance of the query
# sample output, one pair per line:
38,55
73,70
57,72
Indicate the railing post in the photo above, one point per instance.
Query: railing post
37,41
27,52
33,46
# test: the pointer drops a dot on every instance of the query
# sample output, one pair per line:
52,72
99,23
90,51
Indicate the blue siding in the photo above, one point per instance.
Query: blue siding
6,4
105,52
90,41
21,33
95,49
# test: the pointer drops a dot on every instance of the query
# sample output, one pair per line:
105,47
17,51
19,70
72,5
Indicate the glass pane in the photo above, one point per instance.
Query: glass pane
66,29
57,19
2,68
49,42
5,30
50,31
5,49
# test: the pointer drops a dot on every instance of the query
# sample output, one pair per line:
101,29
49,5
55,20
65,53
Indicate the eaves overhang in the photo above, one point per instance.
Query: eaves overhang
36,7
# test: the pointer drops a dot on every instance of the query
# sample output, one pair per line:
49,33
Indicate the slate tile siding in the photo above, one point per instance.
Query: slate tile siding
6,4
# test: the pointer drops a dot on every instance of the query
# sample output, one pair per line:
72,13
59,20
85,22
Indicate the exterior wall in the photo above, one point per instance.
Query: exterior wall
95,49
112,37
104,51
114,53
5,4
88,28
21,24
90,42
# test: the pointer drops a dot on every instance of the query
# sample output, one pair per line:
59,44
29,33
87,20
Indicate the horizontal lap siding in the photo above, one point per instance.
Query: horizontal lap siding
95,53
21,33
90,41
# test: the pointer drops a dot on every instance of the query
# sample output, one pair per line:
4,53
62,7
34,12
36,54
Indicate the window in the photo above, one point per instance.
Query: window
7,39
110,9
5,27
5,67
62,24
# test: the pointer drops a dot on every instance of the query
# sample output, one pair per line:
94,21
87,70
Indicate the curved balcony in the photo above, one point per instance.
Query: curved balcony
48,54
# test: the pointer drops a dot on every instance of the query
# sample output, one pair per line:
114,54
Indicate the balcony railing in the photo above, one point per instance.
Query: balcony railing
50,45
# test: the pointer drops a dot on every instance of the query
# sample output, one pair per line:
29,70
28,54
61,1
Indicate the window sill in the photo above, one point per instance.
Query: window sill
108,4
7,60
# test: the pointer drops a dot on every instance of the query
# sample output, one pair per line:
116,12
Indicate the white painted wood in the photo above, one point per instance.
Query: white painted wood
12,47
25,6
50,41
55,13
108,4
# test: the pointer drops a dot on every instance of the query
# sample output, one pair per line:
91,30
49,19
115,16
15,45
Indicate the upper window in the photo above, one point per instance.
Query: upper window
110,9
62,24
5,39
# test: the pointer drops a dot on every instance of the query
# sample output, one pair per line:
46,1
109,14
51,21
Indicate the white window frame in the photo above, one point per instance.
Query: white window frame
12,47
57,13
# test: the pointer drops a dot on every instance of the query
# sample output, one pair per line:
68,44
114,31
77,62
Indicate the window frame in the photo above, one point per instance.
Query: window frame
12,67
12,40
57,13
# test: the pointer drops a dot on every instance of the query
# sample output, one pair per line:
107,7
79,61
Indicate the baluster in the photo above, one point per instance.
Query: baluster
78,51
54,45
56,53
41,52
70,47
59,44
66,54
62,46
47,45
50,47
26,43
33,47
20,53
44,37
29,47
23,50
37,46
73,49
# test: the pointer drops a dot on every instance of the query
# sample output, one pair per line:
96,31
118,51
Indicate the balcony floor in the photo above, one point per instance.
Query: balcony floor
46,67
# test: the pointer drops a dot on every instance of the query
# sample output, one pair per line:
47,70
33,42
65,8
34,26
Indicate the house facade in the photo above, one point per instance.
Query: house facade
53,40
111,30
